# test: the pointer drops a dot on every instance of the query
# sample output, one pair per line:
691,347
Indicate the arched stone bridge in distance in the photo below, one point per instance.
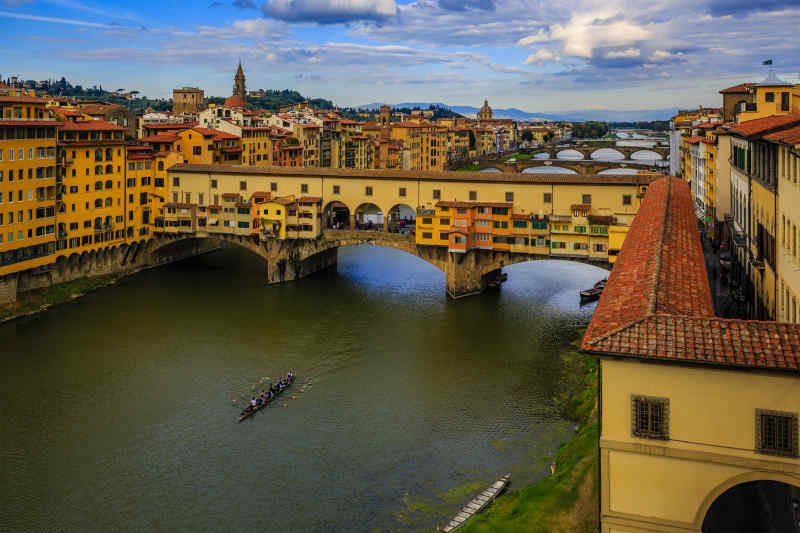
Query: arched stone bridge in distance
627,152
579,166
466,273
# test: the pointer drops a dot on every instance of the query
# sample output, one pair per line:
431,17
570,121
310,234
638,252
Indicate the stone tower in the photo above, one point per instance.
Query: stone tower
238,83
385,121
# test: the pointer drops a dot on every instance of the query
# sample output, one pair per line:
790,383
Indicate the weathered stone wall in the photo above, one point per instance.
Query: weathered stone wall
8,289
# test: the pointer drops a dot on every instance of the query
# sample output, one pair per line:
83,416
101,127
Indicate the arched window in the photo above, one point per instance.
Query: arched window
98,170
109,169
160,165
98,154
109,184
108,221
109,154
109,202
98,185
98,203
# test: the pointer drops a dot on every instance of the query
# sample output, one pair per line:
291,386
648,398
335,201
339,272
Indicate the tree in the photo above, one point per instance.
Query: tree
527,136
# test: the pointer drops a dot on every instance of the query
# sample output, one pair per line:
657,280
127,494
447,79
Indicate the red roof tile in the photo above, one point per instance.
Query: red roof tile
760,126
21,100
790,136
91,125
160,138
657,304
741,88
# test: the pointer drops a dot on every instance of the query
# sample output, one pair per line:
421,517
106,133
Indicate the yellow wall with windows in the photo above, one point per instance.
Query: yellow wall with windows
766,108
94,201
28,200
762,210
788,233
651,485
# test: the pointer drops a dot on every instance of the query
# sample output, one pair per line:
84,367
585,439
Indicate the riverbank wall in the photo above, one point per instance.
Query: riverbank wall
19,290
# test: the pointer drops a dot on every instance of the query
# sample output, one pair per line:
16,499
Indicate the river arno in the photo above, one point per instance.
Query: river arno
116,412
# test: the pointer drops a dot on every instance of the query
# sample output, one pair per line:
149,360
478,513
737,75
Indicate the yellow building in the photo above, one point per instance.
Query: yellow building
771,97
146,190
427,143
288,217
27,184
91,212
788,219
698,414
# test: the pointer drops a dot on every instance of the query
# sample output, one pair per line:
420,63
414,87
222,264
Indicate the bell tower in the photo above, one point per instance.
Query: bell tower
385,121
238,83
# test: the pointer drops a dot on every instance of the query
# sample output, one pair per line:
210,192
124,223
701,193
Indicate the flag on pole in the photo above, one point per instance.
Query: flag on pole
767,62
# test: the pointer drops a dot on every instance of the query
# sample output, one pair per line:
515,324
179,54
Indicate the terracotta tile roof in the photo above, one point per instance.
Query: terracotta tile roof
21,100
96,109
232,149
160,138
790,136
183,126
657,304
64,112
693,140
309,199
760,126
741,88
261,194
91,125
444,203
230,195
709,125
4,122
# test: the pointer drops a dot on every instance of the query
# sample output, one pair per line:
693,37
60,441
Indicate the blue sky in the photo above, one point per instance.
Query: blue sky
531,54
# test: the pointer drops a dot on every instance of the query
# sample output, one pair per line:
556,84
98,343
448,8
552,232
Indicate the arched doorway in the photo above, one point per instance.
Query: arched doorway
764,506
402,219
337,216
369,217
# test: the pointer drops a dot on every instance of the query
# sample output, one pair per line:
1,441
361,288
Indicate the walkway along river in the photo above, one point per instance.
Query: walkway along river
117,413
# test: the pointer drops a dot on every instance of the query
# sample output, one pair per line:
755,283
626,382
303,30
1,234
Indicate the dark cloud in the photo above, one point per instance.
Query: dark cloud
329,11
719,8
463,5
245,4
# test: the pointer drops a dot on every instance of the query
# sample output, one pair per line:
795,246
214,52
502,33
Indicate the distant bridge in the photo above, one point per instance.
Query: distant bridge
579,166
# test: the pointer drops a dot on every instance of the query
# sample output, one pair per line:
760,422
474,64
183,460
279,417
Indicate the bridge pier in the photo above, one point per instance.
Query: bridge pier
470,273
291,260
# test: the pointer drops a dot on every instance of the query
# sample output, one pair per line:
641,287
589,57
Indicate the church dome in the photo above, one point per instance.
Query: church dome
235,101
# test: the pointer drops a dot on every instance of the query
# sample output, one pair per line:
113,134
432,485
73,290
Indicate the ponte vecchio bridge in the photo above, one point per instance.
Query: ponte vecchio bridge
577,218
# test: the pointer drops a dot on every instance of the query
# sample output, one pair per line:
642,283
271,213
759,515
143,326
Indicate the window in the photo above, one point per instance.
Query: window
548,198
520,224
242,185
650,417
427,221
273,187
776,433
784,101
368,190
336,189
473,196
626,199
587,199
599,247
509,197
437,194
501,224
176,182
769,97
580,229
304,188
401,191
444,221
499,210
443,236
197,150
427,235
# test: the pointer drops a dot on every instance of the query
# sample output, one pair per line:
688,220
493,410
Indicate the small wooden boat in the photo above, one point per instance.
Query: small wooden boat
477,504
264,404
595,292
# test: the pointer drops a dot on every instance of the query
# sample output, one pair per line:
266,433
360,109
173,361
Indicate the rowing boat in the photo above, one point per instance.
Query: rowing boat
265,403
477,504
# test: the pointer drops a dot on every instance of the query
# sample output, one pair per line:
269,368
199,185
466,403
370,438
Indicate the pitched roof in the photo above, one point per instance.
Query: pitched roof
790,136
91,125
657,303
160,138
21,100
741,88
764,125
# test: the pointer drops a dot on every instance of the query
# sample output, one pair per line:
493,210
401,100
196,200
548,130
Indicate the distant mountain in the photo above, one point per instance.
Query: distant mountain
603,115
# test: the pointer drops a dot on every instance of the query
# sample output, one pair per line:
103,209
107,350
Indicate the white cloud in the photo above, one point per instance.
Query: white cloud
542,56
538,37
328,11
628,53
587,31
660,55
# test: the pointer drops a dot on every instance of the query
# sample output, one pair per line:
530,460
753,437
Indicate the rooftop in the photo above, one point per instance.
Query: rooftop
657,303
741,88
788,136
760,126
91,125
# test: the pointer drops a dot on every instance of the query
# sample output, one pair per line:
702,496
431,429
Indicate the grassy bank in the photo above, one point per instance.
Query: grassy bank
40,299
567,500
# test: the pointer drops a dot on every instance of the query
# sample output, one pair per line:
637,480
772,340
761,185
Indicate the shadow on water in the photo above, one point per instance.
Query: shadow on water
118,412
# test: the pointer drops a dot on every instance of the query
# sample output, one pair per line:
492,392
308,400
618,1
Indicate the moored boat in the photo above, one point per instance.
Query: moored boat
595,292
253,410
477,504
